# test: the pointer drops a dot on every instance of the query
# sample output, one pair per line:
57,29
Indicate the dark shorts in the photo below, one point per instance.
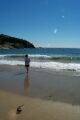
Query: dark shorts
26,65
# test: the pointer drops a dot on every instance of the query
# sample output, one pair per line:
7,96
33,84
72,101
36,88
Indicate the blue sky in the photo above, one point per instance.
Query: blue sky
45,23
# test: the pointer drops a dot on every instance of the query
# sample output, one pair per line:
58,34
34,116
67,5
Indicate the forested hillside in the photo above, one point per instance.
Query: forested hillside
8,42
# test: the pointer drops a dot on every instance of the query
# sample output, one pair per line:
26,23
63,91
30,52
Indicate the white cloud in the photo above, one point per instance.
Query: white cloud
62,16
55,31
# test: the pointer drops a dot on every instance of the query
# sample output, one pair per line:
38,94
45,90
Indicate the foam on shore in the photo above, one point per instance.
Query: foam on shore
46,65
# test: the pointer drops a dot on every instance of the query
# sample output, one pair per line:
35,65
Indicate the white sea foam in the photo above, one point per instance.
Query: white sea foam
2,56
11,62
46,65
57,65
38,56
30,55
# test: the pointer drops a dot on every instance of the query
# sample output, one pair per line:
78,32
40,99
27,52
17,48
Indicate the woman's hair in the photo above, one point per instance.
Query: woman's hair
26,55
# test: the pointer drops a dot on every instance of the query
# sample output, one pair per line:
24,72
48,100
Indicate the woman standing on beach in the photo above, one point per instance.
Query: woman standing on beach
27,62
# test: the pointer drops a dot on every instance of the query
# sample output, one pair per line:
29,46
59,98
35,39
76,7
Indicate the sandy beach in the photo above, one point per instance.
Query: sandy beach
35,109
46,95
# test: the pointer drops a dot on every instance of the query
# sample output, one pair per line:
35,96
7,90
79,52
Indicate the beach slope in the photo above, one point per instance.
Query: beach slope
35,109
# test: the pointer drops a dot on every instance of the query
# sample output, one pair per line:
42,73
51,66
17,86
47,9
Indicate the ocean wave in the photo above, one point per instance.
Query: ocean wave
22,55
58,58
66,58
46,65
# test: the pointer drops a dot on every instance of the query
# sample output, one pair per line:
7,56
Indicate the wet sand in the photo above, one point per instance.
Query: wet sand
46,95
41,83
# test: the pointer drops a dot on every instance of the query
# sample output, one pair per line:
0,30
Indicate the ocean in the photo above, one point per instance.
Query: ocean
46,58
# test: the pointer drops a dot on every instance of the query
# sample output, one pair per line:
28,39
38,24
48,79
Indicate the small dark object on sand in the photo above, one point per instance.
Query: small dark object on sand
49,96
19,109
